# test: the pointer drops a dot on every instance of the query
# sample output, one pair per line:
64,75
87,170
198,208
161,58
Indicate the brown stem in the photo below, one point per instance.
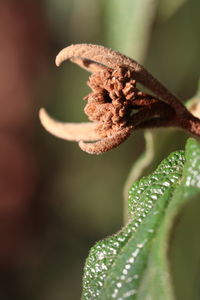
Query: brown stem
191,124
157,110
157,123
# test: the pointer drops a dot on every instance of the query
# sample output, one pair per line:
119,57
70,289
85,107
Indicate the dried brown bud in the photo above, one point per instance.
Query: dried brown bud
116,106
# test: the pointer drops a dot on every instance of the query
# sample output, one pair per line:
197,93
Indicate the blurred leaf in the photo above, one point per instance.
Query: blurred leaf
132,264
168,8
184,251
128,25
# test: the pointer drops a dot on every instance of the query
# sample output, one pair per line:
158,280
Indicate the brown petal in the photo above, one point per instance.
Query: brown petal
98,54
69,131
106,144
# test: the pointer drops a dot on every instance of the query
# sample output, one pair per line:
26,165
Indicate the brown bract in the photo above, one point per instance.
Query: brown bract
116,106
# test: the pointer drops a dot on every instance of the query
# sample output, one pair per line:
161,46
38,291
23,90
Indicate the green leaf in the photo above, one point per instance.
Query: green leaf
133,264
156,281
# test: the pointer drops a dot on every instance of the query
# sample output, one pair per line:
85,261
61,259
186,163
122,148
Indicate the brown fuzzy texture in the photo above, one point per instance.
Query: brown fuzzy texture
113,99
110,103
116,106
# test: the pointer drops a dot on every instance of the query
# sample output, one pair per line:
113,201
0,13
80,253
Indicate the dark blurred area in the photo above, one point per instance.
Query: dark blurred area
55,200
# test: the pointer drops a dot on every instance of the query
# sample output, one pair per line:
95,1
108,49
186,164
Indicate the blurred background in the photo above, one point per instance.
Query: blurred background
55,200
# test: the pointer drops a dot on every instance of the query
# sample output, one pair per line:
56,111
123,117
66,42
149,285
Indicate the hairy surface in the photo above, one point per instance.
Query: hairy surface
116,106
